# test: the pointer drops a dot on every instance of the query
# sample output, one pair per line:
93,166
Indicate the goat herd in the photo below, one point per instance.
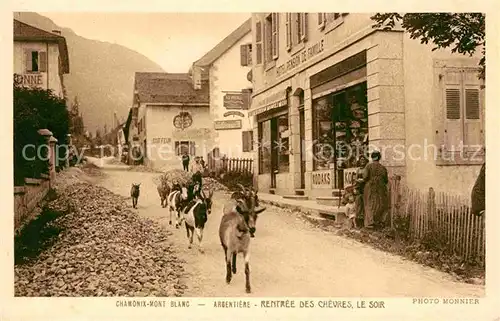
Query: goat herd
191,206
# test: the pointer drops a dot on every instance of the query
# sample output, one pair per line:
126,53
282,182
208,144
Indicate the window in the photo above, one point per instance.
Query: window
272,37
246,55
282,143
330,20
265,147
258,42
288,28
36,61
347,110
463,127
182,147
247,140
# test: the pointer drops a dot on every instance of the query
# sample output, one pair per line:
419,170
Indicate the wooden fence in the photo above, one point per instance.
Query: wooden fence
439,219
222,164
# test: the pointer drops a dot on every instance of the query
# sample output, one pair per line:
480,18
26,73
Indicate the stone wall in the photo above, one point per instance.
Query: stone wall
26,199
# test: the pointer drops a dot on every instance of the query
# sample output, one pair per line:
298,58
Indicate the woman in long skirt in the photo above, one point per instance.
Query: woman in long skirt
375,194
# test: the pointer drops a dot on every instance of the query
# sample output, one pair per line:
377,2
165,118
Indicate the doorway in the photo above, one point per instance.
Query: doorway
274,151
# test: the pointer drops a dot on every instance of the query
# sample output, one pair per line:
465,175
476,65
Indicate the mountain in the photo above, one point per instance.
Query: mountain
101,73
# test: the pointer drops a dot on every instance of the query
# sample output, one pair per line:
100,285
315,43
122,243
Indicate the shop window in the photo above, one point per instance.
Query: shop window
182,147
282,144
265,147
340,128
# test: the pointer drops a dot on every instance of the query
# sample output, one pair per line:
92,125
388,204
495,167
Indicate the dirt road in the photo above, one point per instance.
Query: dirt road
289,258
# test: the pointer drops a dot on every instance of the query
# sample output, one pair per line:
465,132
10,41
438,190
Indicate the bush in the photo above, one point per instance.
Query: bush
34,109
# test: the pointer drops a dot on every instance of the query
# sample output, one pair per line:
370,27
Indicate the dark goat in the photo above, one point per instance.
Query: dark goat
134,192
237,227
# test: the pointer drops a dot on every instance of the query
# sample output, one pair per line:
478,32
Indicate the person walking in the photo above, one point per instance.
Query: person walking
185,161
197,169
375,192
359,187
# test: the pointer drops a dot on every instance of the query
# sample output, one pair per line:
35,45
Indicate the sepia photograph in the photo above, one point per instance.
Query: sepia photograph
238,155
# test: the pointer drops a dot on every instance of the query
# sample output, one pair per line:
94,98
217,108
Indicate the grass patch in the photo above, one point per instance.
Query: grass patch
36,236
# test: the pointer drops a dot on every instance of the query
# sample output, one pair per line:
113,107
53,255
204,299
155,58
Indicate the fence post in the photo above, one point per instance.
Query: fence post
431,209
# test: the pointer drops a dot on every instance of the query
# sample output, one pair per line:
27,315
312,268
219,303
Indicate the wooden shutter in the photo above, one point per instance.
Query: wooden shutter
472,111
244,55
321,20
258,41
303,25
275,35
250,138
28,62
244,141
288,27
453,134
192,148
42,56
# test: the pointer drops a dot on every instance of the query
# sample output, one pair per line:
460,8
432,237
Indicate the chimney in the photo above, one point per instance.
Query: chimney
56,32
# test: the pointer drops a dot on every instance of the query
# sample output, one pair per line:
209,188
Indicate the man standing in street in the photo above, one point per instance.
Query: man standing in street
185,161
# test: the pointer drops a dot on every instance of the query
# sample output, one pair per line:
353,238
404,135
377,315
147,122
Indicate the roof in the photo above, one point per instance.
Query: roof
161,87
26,32
225,44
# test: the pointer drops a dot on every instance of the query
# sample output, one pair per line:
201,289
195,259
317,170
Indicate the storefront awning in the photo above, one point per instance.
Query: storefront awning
268,103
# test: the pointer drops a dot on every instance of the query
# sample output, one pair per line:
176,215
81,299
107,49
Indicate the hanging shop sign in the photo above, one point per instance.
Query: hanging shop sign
236,100
227,124
301,57
183,120
233,113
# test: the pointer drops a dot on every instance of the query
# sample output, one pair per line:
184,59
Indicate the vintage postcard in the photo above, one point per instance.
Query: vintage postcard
176,163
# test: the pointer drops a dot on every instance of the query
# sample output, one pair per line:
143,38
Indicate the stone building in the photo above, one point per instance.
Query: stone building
226,67
322,80
40,58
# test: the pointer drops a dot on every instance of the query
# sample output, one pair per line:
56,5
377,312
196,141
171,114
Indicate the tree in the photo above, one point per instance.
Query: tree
34,109
463,32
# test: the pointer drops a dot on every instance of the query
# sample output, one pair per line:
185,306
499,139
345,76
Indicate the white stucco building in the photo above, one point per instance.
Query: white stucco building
321,79
40,58
170,116
227,68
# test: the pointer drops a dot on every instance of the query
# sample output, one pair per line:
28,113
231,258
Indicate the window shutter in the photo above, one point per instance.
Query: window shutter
258,41
250,134
453,133
275,30
42,56
303,24
288,28
472,111
321,20
244,141
192,150
244,55
28,61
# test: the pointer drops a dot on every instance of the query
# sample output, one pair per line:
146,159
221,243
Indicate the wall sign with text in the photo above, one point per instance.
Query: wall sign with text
300,58
233,113
227,124
30,80
322,178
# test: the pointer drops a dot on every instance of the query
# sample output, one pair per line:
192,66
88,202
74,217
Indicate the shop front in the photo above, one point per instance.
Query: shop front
273,137
340,124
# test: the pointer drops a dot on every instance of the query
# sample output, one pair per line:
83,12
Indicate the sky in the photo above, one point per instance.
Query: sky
172,40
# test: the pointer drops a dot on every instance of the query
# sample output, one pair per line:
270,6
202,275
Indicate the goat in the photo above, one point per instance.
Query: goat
176,201
237,226
196,217
134,193
163,191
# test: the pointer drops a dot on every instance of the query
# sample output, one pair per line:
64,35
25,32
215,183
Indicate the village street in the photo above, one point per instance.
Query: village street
288,257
